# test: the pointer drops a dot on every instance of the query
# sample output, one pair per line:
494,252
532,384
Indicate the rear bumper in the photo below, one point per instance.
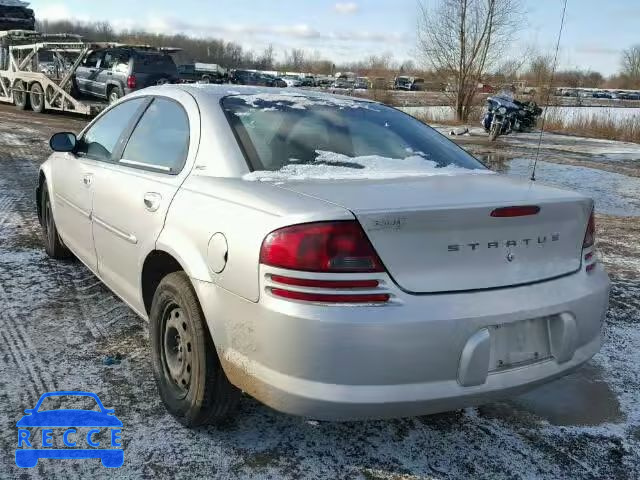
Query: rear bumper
412,358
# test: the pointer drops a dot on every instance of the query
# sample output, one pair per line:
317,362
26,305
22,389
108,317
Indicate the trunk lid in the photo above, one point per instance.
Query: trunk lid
436,234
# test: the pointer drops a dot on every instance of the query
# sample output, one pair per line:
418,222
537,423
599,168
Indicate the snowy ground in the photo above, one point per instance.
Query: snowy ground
58,323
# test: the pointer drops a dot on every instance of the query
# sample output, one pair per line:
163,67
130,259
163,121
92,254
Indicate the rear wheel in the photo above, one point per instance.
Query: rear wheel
115,94
20,96
192,384
52,242
36,97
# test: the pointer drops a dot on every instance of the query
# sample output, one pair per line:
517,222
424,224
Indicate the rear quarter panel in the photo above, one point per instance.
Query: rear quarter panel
245,213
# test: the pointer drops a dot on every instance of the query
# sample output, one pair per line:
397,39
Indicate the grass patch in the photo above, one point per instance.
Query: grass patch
596,126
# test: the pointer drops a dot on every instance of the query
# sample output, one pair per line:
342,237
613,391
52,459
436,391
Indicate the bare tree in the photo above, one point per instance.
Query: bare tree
266,60
631,62
540,70
462,39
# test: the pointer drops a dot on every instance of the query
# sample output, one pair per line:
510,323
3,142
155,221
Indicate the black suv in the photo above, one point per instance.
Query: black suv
112,73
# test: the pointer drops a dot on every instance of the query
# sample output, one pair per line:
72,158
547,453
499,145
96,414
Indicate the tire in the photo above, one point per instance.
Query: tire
53,244
114,94
205,79
20,96
36,98
162,81
494,132
192,384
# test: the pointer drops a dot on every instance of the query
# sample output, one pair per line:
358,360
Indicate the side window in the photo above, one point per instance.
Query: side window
92,60
101,140
161,138
107,61
121,62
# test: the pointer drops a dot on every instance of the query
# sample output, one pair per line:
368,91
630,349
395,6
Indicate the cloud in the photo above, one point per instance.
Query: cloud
246,32
59,11
597,50
56,11
346,8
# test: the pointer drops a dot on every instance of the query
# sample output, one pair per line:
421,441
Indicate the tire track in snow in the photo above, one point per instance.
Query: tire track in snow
19,344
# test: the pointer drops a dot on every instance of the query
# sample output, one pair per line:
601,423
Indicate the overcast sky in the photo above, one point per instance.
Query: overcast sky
595,31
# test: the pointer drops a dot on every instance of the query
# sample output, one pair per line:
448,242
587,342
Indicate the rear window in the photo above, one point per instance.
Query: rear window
154,63
302,136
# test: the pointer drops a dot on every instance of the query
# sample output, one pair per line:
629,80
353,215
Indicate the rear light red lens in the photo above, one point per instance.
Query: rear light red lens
330,298
304,282
132,81
521,211
590,235
321,247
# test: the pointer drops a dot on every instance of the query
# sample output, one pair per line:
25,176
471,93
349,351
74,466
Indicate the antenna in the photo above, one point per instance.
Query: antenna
553,74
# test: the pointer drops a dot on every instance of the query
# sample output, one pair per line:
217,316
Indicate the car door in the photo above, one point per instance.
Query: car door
104,74
132,196
86,73
73,178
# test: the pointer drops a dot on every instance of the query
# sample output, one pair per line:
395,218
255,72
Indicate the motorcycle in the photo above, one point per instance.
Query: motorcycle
504,115
500,117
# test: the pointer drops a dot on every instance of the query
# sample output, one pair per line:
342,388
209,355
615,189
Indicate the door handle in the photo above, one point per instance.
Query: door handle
87,180
152,201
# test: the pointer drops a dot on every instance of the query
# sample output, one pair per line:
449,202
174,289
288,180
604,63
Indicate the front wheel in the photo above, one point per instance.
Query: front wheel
495,131
192,384
53,244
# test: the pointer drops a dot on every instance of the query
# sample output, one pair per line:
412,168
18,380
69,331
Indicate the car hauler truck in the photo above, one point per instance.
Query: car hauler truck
37,70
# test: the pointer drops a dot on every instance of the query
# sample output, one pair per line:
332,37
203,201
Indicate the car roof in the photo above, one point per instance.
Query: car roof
208,92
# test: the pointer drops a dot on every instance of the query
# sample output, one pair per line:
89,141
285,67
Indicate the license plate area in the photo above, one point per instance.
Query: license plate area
519,343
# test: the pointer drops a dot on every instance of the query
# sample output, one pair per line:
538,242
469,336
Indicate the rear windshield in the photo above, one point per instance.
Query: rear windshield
301,136
154,63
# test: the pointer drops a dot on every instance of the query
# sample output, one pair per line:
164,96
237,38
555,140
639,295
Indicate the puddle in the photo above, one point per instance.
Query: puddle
613,193
582,398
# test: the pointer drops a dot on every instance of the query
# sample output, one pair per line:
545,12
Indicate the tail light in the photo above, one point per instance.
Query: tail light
590,235
324,247
519,211
132,81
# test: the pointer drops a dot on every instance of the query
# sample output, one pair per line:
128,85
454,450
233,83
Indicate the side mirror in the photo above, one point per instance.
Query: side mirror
63,142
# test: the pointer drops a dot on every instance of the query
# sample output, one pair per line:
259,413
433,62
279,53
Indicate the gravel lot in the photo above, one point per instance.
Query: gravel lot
58,324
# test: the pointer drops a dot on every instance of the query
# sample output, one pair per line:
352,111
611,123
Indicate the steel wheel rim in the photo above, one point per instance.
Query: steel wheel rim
20,96
36,98
177,349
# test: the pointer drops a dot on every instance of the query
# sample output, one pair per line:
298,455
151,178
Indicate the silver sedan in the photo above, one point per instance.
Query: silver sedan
332,257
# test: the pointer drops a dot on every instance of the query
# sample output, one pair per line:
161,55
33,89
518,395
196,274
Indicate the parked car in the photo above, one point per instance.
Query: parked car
202,73
403,83
112,73
292,80
630,96
219,218
325,81
307,81
14,15
344,82
362,83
